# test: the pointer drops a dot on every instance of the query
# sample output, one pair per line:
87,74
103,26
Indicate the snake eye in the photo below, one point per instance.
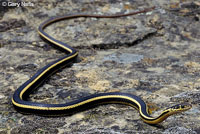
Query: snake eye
182,106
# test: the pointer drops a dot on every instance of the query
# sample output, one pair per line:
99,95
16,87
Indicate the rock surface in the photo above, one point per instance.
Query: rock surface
154,55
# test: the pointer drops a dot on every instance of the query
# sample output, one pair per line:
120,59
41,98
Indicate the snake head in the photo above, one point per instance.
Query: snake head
169,111
179,108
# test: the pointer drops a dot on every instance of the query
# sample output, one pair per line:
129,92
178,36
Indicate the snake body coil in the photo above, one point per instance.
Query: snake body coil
20,96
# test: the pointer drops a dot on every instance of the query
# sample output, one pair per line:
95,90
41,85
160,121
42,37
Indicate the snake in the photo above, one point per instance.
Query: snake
20,97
